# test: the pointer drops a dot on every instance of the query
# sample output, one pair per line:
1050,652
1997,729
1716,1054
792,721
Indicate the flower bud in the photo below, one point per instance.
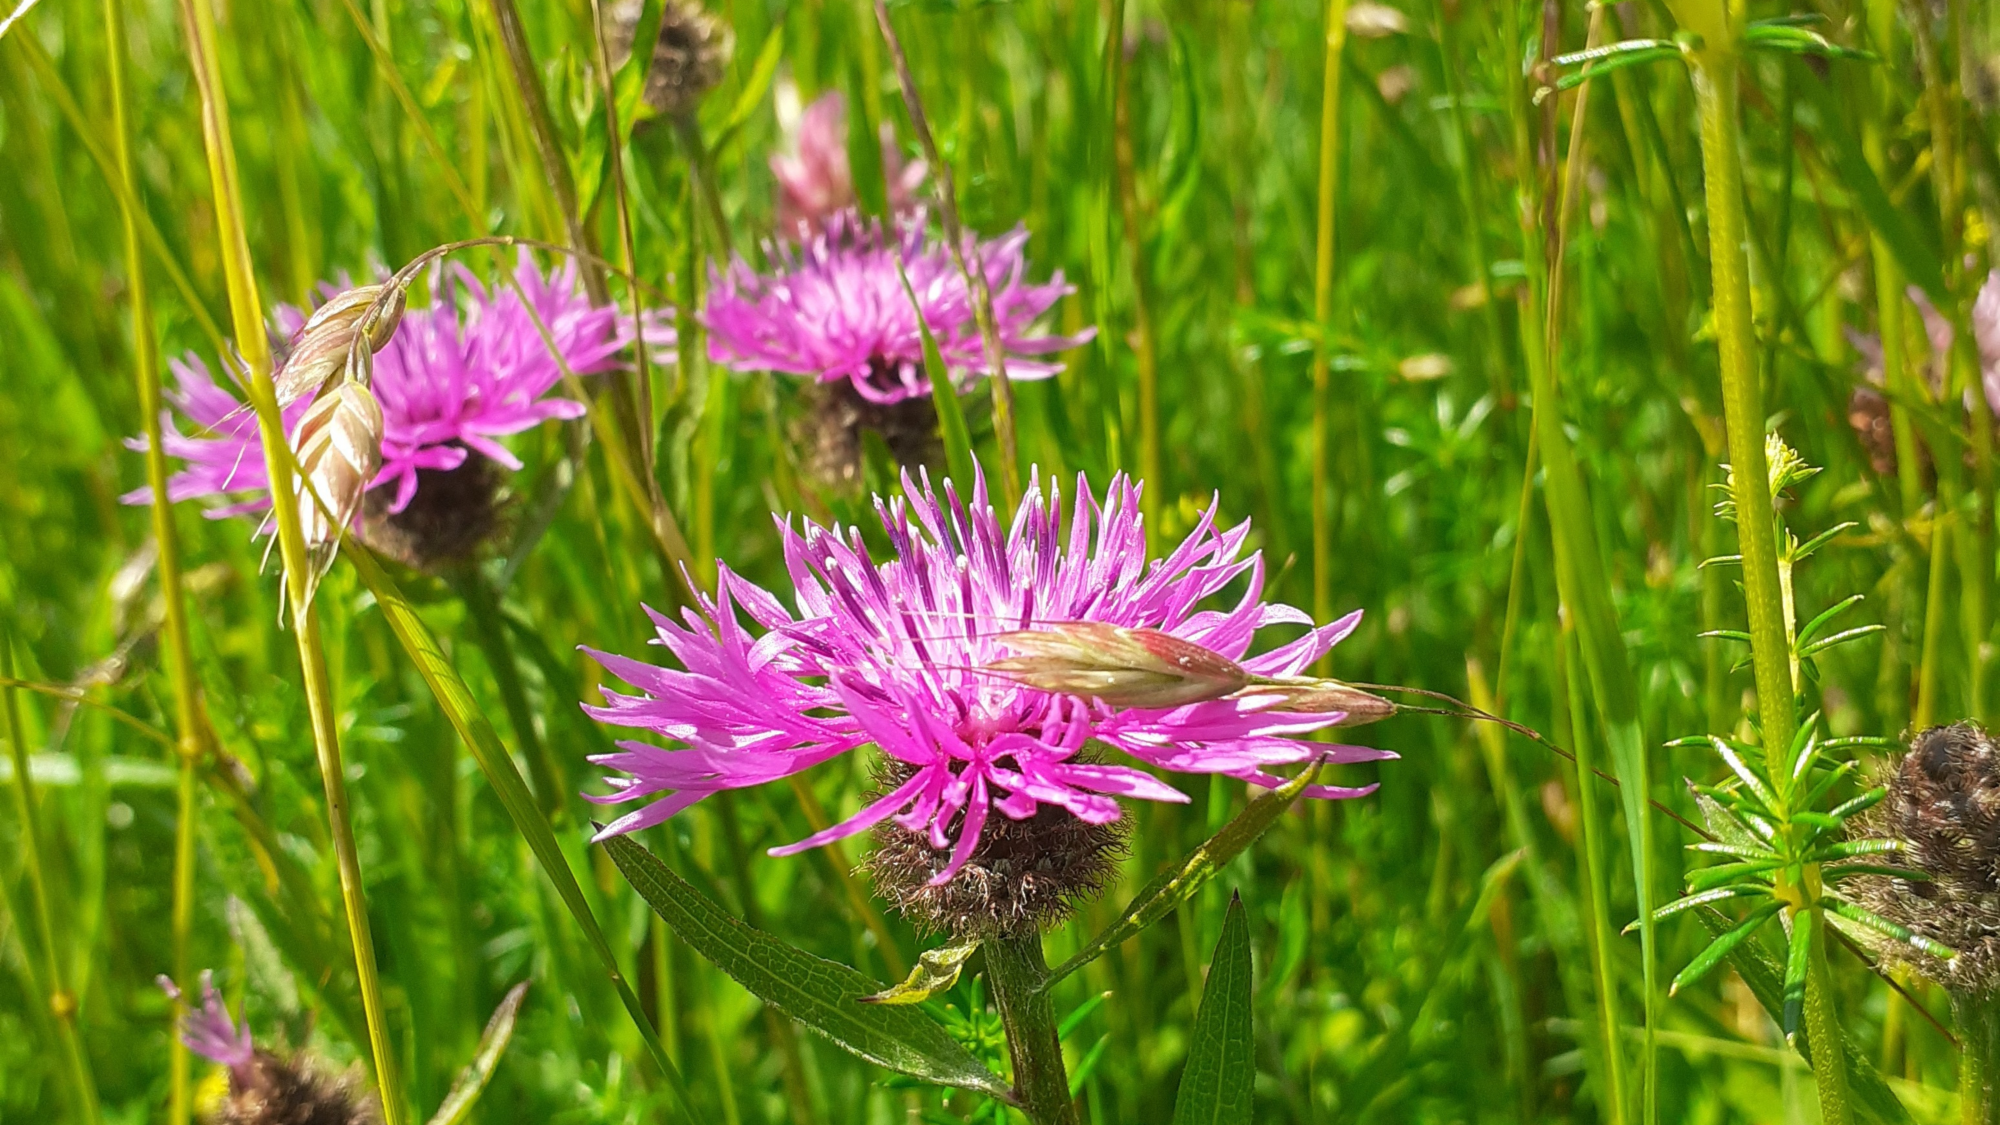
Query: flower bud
689,57
1141,668
339,448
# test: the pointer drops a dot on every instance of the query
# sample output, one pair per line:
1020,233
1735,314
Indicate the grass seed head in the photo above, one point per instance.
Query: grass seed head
339,447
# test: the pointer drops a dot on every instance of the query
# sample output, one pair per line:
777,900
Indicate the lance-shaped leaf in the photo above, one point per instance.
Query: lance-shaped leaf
1709,878
1811,628
824,995
1886,928
1216,1084
1705,898
1860,804
1752,780
1724,942
1174,886
477,1073
1873,1099
937,970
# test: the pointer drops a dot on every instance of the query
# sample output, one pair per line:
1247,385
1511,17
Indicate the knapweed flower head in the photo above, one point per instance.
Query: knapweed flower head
898,654
815,182
265,1088
456,376
690,54
834,310
1943,809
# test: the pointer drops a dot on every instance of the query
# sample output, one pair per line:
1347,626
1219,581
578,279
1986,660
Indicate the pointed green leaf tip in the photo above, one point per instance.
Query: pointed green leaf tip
936,971
1221,1066
819,993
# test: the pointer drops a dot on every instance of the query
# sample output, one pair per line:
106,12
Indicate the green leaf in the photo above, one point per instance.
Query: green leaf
1812,628
593,160
1724,942
1641,54
1751,779
1702,899
824,995
944,395
1918,257
1859,804
754,88
1173,886
1883,926
1797,960
1216,1085
1846,848
1840,638
1872,1096
1723,873
492,1044
472,725
936,970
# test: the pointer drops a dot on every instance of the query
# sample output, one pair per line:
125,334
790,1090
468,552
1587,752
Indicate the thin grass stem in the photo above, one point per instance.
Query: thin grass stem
1323,273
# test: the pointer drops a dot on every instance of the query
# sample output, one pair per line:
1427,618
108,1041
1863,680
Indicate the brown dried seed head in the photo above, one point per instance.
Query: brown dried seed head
1122,667
689,57
339,447
282,1091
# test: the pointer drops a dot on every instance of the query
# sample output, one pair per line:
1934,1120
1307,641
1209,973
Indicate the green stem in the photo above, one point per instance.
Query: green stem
62,1002
1145,340
1823,1027
1978,1021
1016,970
188,719
1715,72
1596,889
254,348
1323,263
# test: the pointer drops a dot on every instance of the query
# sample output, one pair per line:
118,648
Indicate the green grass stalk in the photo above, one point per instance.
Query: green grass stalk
965,254
1323,267
1146,347
253,346
189,721
75,1063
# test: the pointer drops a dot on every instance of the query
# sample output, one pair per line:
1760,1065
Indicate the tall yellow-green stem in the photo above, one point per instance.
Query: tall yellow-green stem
1323,262
246,317
190,740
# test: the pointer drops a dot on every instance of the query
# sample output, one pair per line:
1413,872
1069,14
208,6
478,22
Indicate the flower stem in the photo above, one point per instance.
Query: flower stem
489,631
189,721
1714,67
62,1002
198,17
1823,1026
1016,970
1978,1021
1145,340
1323,261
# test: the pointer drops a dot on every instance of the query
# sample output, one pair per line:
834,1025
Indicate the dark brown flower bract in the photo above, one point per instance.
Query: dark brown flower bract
279,1091
1024,875
829,433
452,515
1944,804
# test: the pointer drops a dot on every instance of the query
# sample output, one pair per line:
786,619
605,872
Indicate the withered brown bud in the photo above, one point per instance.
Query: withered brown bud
1122,667
1943,802
279,1091
1023,876
339,447
689,57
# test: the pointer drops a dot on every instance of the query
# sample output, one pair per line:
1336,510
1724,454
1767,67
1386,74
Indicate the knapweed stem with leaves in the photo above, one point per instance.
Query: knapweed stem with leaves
198,18
190,729
1015,970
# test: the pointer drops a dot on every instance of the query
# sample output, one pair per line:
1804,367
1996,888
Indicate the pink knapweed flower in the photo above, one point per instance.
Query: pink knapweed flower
896,654
450,382
815,182
835,310
209,1031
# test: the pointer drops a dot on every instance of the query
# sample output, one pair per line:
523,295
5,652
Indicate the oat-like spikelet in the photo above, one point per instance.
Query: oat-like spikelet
1944,804
1023,876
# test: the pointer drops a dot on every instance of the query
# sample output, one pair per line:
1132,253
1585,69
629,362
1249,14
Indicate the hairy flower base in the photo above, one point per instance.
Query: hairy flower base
829,433
279,1091
1944,804
453,514
1024,875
